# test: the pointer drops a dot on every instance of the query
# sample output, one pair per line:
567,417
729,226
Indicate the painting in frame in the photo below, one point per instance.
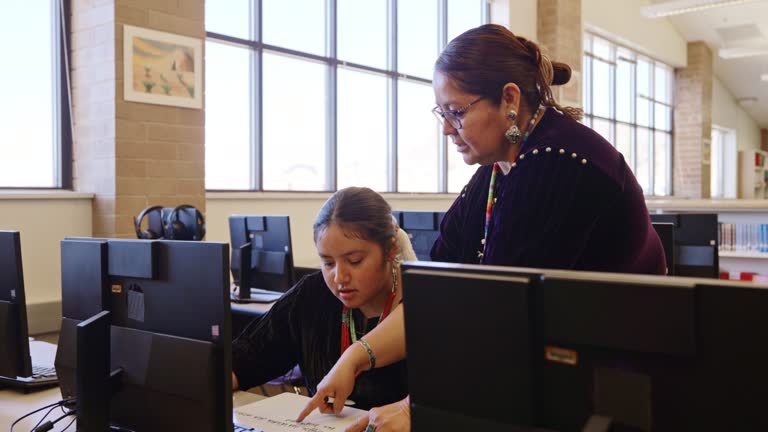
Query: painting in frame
162,68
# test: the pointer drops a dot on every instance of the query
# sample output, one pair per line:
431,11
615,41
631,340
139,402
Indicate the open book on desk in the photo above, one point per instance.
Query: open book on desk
278,414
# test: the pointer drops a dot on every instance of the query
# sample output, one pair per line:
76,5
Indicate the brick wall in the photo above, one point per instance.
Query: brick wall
693,124
559,31
131,155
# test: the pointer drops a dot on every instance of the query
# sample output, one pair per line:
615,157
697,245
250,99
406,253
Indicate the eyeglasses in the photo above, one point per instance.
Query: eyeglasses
453,117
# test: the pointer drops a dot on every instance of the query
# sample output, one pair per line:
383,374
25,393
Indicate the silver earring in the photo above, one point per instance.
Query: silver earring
513,134
394,277
512,115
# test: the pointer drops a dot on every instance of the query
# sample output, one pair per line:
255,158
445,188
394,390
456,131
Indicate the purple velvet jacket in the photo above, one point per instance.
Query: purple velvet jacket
570,202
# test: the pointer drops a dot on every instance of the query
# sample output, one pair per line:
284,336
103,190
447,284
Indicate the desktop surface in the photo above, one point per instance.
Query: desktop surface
16,403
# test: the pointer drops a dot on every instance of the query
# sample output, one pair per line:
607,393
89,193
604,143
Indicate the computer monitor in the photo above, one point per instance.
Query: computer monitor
498,348
696,243
15,360
666,233
169,331
270,262
422,227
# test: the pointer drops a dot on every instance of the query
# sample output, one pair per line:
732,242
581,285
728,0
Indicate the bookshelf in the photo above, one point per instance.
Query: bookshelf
736,212
753,174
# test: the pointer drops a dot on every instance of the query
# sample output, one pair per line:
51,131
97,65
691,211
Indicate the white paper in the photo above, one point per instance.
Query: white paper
278,414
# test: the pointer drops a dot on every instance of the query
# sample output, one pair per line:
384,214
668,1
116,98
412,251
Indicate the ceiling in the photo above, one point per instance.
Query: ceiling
734,26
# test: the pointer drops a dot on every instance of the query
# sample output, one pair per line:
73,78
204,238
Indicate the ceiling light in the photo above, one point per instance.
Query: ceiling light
743,51
676,7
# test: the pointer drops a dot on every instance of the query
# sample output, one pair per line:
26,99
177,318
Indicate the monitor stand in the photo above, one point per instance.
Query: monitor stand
254,295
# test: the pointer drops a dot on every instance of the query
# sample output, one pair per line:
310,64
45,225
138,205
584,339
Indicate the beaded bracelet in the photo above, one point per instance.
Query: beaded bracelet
371,357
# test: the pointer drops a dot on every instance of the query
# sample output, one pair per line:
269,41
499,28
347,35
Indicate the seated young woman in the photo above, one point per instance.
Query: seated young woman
359,246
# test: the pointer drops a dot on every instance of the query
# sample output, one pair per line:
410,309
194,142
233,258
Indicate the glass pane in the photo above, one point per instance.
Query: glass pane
587,120
601,48
623,141
624,92
417,37
662,114
231,18
295,156
227,117
587,42
417,138
28,139
601,90
603,127
587,90
463,15
643,112
642,159
661,165
643,77
362,130
362,34
295,24
661,79
716,159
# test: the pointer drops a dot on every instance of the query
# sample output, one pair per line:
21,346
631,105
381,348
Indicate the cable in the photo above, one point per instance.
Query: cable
61,402
46,416
49,424
70,424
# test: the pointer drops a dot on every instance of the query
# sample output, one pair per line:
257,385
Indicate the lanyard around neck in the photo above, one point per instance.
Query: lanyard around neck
492,185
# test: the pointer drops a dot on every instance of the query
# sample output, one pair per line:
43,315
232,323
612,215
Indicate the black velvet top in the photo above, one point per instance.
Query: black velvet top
304,328
569,202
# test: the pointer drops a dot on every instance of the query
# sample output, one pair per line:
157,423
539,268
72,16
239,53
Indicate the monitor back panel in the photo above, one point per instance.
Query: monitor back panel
271,250
14,355
422,227
467,338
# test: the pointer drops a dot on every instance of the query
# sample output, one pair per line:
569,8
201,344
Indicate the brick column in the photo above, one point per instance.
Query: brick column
559,30
129,154
693,124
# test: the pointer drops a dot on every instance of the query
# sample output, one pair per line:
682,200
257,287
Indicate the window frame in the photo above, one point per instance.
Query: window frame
619,52
332,63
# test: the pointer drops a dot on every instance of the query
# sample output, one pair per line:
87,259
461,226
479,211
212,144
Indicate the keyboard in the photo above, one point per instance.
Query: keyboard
239,428
43,371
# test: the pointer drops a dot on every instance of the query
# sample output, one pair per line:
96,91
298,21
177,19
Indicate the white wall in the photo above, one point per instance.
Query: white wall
623,23
519,16
43,220
302,209
728,114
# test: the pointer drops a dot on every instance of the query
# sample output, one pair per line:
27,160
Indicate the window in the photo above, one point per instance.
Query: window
337,95
723,163
35,128
628,100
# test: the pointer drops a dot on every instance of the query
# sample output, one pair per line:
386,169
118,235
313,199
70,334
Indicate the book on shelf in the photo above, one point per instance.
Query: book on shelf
750,238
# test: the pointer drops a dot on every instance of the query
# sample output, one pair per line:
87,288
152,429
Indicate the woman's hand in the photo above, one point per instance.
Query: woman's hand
395,417
338,384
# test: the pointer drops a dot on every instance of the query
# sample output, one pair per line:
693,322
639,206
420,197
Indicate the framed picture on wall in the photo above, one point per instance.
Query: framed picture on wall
162,68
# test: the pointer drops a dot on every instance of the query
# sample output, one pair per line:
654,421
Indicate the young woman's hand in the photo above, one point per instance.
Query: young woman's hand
395,417
338,384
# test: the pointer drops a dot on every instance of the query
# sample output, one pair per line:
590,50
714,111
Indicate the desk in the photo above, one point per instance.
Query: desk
14,404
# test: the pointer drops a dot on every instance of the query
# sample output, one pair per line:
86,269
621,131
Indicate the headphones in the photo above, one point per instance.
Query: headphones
147,234
176,230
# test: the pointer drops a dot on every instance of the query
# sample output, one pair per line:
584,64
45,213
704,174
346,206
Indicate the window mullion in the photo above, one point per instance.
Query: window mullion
332,98
392,102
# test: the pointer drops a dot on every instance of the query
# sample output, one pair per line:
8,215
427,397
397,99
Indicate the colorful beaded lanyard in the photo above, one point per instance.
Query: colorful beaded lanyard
489,205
